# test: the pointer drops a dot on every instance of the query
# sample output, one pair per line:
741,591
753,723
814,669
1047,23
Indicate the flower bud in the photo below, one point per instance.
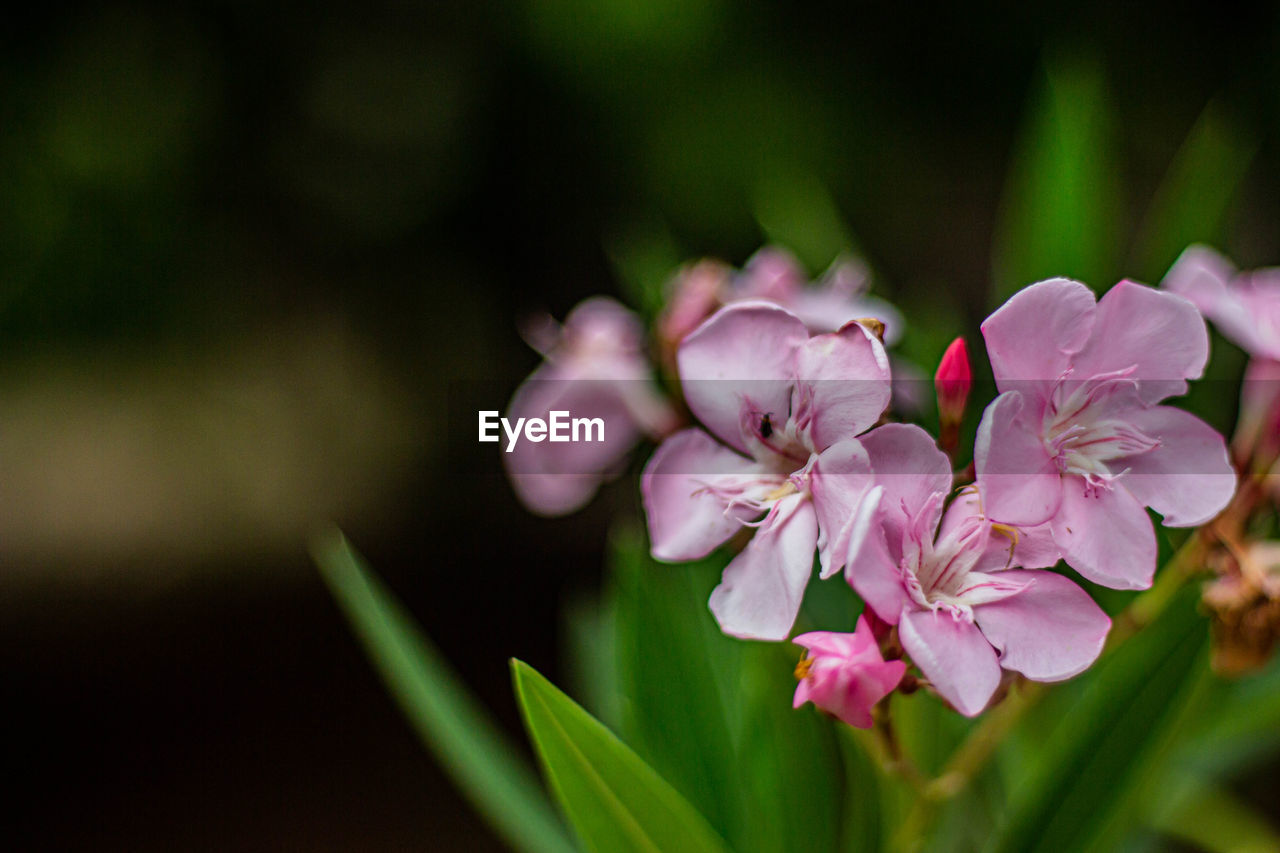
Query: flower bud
952,382
845,675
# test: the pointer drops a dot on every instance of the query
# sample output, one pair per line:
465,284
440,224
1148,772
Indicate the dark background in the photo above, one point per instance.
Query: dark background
257,264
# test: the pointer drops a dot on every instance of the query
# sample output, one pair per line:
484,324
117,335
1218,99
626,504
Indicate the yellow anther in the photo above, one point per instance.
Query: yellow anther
872,325
803,666
787,488
1012,533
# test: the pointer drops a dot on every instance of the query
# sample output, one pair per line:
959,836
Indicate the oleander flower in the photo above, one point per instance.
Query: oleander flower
1244,306
959,587
1077,439
774,275
845,675
594,367
1246,309
781,411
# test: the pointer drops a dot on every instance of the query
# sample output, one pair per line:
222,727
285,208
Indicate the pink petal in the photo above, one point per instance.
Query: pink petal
954,656
1018,479
1201,275
1188,479
1160,333
745,352
845,499
686,521
760,592
1105,535
875,576
844,382
1033,335
909,467
556,478
1034,548
1050,631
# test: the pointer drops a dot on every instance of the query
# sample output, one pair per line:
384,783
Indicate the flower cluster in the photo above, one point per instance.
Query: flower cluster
792,461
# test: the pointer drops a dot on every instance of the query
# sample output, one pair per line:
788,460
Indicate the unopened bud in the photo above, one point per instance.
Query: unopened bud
952,382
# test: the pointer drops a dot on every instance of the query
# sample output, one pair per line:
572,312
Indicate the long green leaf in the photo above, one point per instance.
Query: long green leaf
482,762
615,801
1058,215
1213,819
1192,202
674,667
1109,742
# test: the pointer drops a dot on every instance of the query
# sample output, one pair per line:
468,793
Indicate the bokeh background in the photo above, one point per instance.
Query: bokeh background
259,266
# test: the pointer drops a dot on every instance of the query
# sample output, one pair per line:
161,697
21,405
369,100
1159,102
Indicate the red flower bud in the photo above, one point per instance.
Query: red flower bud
953,381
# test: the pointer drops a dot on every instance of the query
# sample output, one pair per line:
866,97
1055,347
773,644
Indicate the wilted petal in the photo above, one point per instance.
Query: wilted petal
687,518
1032,336
1105,535
1019,481
760,592
1188,478
843,384
744,352
1159,333
954,656
1050,631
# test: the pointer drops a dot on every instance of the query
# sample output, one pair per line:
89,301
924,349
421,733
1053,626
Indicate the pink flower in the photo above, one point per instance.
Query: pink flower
950,583
1244,306
595,367
774,275
1246,309
785,408
1077,440
845,674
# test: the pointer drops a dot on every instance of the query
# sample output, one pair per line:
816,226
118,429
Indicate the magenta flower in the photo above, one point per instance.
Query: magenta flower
950,581
845,674
785,408
1077,440
595,367
952,382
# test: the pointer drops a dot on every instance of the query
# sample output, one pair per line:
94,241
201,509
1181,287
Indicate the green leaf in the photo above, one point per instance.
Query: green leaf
1212,819
1058,214
788,764
483,763
675,670
1192,202
1111,741
796,212
614,800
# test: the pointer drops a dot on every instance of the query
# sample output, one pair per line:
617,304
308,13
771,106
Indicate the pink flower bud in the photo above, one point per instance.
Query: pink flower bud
845,674
953,381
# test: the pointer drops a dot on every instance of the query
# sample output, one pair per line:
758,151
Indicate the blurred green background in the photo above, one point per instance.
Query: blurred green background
260,266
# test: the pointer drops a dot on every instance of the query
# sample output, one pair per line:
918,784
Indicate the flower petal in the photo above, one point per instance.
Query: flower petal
845,498
686,519
1007,547
1050,631
556,478
745,352
1159,333
953,655
909,467
760,592
1105,535
843,385
875,576
1188,479
1032,336
1018,479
